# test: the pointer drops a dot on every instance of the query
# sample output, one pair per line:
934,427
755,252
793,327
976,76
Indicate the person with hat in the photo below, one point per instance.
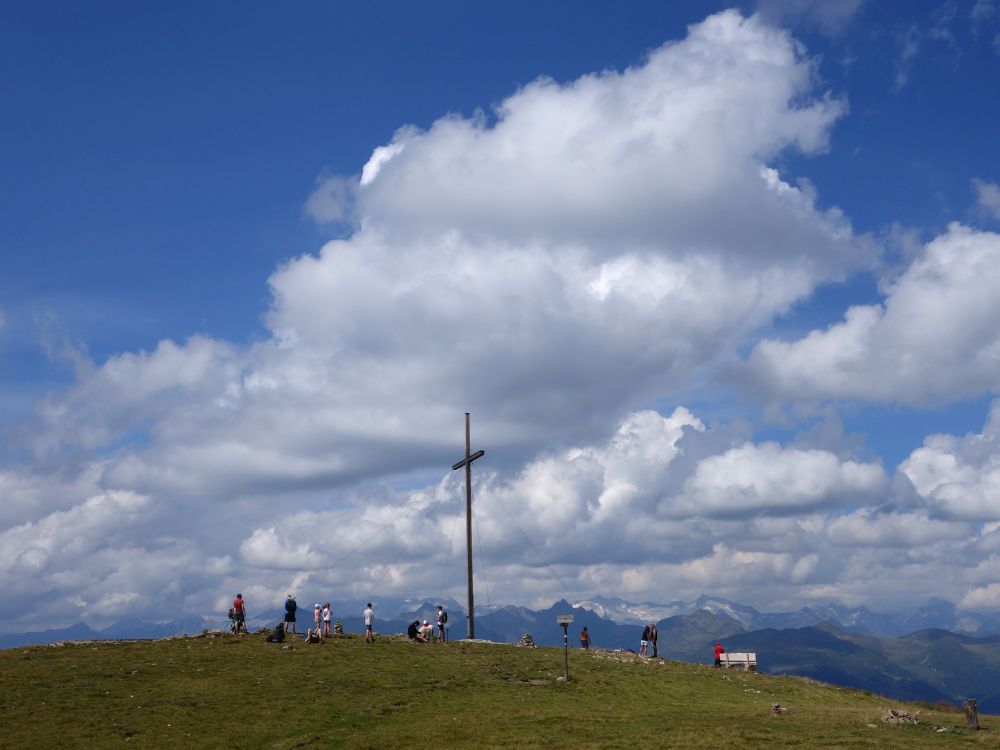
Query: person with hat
427,631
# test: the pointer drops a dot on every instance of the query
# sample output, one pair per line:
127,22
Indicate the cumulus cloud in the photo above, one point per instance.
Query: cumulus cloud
987,197
549,268
629,514
960,477
755,478
933,339
554,267
331,200
624,161
868,527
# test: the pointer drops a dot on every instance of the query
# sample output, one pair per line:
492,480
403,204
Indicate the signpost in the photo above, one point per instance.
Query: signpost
565,620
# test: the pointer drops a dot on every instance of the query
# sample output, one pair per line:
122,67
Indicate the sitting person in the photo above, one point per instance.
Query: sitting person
314,636
414,632
278,636
427,631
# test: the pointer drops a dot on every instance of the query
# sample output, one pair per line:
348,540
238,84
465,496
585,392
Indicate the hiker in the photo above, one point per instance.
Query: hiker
427,631
652,637
327,613
719,651
413,632
442,620
317,616
314,636
290,607
369,617
239,614
278,636
644,641
585,638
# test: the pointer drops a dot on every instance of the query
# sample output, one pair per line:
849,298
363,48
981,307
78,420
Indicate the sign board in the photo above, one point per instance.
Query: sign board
564,619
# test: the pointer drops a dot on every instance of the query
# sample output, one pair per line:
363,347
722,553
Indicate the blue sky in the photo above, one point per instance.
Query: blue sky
629,239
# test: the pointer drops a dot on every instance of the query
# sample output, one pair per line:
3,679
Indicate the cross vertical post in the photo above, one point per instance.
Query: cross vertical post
467,463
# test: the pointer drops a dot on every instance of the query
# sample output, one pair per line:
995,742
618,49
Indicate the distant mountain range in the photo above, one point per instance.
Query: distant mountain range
936,613
933,653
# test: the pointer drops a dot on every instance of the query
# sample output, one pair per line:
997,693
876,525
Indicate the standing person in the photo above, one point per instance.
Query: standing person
327,614
240,613
584,638
652,637
369,617
317,617
290,607
442,620
719,651
644,642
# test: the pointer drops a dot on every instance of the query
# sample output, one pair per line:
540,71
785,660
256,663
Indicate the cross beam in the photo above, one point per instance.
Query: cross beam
467,463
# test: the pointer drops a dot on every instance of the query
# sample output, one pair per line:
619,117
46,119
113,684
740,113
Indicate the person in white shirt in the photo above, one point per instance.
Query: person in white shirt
369,617
327,614
426,631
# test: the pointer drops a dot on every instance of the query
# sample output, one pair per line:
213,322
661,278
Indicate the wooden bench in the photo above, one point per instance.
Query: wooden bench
745,661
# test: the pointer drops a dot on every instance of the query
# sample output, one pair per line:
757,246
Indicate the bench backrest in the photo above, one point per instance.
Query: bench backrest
738,659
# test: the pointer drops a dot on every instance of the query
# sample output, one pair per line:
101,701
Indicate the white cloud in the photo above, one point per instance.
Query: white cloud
621,162
959,477
755,478
588,249
935,338
869,528
830,16
549,269
982,598
987,197
332,200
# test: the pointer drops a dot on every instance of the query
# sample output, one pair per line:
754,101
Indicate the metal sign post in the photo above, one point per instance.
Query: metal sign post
565,620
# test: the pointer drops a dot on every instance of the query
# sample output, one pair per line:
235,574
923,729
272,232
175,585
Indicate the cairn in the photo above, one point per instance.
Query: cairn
526,641
893,716
338,628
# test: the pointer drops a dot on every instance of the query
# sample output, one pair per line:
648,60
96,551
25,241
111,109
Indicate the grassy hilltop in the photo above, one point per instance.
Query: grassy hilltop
231,692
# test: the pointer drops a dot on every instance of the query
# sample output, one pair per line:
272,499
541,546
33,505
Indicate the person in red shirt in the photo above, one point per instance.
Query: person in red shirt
719,651
240,613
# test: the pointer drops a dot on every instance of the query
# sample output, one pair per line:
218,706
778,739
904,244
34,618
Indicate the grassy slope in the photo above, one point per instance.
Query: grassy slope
241,692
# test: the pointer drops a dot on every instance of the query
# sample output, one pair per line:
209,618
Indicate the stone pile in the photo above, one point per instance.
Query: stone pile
338,628
893,716
526,641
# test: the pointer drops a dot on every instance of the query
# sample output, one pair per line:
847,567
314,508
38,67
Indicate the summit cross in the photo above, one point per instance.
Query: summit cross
467,463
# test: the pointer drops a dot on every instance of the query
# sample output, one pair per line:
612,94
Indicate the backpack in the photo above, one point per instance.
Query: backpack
444,618
232,614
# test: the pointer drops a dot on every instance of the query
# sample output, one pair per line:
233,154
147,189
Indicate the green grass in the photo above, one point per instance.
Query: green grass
233,691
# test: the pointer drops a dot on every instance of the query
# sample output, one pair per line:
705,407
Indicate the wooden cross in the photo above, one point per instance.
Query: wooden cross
467,463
